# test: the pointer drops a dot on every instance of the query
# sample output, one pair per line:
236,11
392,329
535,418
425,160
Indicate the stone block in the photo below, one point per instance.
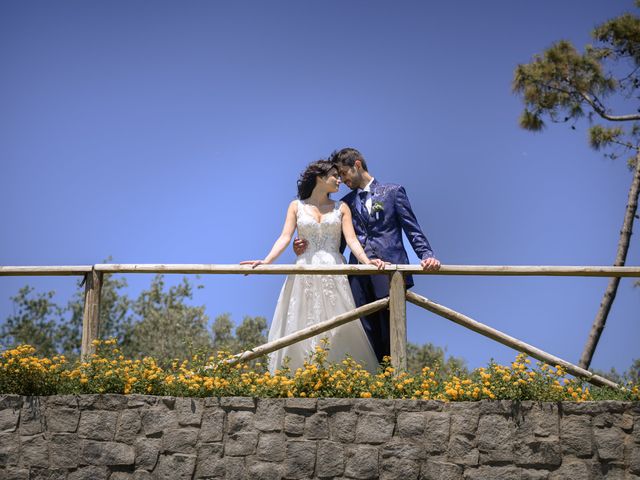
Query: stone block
235,468
407,405
14,473
300,459
9,418
301,405
534,474
238,403
105,401
64,450
157,419
464,417
543,420
265,471
316,426
374,428
330,459
410,424
128,427
189,411
485,472
174,467
462,450
342,426
89,473
538,454
62,419
436,431
634,459
98,424
212,425
495,438
362,462
43,473
142,475
400,461
636,429
11,401
440,470
294,424
271,447
431,405
497,407
182,440
241,444
31,417
270,415
375,405
9,449
240,421
146,453
330,405
136,400
575,435
210,462
34,451
609,443
106,453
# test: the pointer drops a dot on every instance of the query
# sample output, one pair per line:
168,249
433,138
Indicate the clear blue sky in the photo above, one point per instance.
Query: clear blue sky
174,132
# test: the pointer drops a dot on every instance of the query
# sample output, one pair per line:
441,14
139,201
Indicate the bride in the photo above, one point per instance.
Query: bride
308,299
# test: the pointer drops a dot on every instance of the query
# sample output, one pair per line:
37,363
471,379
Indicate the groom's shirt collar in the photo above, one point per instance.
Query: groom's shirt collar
367,187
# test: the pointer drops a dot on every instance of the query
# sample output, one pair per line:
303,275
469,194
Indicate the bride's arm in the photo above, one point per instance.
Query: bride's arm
352,240
283,240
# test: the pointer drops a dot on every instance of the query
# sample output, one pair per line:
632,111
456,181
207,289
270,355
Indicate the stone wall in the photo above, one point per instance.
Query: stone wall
116,437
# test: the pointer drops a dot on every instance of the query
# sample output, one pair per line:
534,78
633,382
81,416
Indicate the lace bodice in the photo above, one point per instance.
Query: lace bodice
324,235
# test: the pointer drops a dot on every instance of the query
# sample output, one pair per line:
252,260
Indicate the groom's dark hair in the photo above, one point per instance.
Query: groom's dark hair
347,157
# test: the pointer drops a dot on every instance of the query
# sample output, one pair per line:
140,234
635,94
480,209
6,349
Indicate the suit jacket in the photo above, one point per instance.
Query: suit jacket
380,232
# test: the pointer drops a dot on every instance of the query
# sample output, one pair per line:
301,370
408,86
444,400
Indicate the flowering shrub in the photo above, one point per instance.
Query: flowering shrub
107,371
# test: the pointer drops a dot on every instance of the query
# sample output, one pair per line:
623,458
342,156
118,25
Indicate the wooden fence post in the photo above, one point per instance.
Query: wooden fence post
398,321
91,313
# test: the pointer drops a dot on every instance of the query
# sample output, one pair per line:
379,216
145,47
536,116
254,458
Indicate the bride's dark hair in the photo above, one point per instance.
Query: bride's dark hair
307,180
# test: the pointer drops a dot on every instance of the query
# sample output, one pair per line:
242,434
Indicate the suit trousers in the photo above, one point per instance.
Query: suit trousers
376,325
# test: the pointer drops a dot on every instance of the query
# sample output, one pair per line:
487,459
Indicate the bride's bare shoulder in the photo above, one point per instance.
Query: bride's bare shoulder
293,206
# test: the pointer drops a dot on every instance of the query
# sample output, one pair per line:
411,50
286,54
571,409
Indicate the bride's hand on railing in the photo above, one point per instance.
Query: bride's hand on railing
253,263
378,263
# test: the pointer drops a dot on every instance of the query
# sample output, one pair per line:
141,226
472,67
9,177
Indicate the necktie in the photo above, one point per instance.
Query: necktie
363,200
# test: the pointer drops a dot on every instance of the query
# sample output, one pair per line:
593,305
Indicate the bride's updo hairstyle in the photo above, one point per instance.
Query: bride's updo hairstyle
307,180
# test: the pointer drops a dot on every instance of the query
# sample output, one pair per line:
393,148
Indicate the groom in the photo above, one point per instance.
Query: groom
380,212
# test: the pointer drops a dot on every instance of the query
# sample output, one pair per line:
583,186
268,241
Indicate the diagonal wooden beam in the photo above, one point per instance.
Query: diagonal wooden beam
311,331
508,340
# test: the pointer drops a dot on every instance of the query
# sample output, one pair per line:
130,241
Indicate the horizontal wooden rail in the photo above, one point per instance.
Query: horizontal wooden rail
507,340
45,271
235,269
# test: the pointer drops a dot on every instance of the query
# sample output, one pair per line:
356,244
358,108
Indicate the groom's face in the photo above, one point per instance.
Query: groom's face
350,176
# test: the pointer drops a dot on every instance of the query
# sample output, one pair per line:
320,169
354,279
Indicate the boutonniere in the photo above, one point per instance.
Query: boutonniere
376,208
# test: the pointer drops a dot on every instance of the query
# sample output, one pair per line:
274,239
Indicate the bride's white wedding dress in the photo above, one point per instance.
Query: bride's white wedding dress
308,299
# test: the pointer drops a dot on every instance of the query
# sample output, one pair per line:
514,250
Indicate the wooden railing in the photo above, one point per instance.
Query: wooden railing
396,302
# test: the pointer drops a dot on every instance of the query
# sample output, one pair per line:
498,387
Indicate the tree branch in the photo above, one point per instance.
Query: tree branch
600,111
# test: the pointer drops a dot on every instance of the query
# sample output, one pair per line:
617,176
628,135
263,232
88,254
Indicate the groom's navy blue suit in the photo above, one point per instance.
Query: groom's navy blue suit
380,233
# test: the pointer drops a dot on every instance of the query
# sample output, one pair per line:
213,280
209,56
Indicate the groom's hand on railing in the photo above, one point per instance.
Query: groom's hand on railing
300,246
430,264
